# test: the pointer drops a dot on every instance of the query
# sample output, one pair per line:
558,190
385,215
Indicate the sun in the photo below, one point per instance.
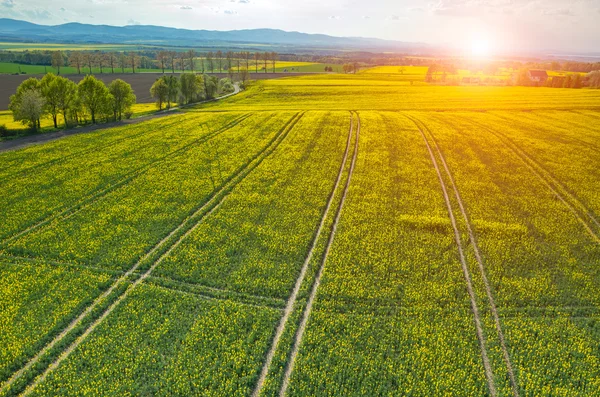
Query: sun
480,48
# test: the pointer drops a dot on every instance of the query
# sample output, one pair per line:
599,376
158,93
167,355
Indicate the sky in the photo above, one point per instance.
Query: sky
500,26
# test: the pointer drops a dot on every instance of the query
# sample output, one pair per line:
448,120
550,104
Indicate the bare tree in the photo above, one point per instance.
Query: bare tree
256,60
76,60
201,63
191,54
210,61
266,56
172,59
273,60
57,60
134,60
244,75
220,60
182,57
162,58
111,58
122,62
88,60
100,59
229,56
245,55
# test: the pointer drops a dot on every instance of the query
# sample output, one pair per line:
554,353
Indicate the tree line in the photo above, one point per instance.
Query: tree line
188,88
57,96
132,61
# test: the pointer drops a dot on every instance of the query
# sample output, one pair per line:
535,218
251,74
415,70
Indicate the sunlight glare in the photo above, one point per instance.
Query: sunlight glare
480,48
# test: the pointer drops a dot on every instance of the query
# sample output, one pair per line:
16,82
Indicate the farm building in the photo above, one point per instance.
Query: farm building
538,76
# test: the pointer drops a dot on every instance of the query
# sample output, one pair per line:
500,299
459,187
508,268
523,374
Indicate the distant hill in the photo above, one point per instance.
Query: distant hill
14,30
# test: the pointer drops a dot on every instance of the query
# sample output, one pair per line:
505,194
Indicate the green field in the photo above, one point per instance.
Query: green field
321,235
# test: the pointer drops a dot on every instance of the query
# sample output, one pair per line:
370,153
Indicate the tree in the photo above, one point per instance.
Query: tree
88,60
256,60
122,62
244,75
134,60
593,79
111,58
162,58
67,96
76,60
576,82
51,96
93,94
555,65
160,92
191,54
191,86
229,57
209,61
355,67
122,97
265,57
30,109
210,86
273,60
246,55
567,81
57,60
173,89
100,59
27,104
182,61
172,59
220,60
523,78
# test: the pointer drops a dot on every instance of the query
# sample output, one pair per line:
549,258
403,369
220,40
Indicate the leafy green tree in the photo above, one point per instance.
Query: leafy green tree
94,95
210,86
122,97
191,86
25,111
173,89
160,92
58,93
567,81
30,109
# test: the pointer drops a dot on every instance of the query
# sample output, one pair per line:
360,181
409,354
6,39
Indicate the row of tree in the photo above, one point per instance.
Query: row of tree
188,88
350,67
58,96
165,60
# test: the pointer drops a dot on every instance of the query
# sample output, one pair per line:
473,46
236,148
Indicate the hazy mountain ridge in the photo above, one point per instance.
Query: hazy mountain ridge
149,34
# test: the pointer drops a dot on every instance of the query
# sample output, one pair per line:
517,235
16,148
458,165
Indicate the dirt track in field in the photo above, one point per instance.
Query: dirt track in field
293,297
190,223
476,316
313,293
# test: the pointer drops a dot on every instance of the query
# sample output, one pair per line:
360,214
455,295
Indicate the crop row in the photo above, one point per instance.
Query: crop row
393,249
36,299
364,92
39,193
536,252
317,139
115,231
